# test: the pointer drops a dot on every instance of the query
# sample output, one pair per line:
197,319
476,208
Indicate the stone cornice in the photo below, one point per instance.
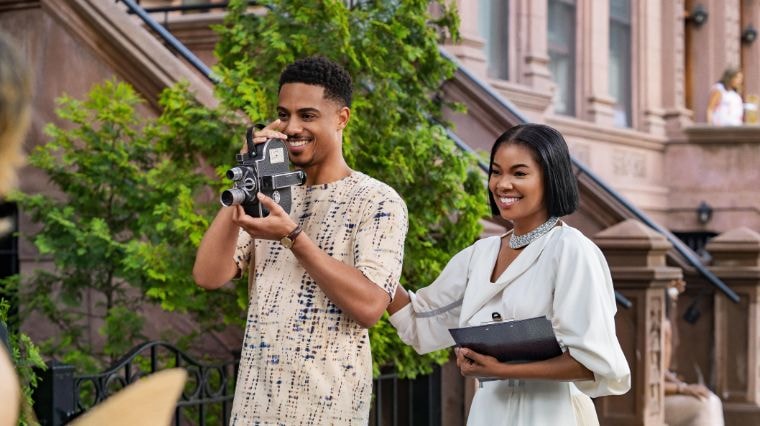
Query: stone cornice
706,134
570,126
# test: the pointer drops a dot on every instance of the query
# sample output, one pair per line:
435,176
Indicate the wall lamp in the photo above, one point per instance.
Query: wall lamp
704,212
749,34
698,16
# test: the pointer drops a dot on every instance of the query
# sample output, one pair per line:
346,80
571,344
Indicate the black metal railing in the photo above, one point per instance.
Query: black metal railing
63,395
406,401
170,40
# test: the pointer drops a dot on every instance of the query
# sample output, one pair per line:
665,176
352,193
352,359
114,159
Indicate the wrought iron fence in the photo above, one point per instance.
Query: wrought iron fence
62,395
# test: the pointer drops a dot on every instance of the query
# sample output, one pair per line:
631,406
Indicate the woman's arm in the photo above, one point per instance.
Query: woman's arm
563,367
400,299
712,104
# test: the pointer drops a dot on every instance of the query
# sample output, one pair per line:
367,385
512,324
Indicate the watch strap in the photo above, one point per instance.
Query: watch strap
293,234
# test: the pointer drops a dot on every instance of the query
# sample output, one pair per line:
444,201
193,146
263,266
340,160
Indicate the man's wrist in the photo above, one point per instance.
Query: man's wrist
288,240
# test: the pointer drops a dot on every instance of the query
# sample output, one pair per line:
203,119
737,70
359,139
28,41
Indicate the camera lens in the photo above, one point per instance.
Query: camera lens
235,173
232,197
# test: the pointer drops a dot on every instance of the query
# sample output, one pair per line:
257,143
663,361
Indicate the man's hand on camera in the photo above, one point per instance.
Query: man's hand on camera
272,227
271,131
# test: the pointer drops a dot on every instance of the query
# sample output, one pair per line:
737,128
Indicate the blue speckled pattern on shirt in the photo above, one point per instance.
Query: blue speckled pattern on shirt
303,361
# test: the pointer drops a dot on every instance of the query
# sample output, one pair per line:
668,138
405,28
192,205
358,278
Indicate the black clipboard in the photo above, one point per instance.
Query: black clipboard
525,340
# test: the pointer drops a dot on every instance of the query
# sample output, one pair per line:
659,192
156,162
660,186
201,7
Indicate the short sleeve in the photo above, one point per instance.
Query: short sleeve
584,316
379,243
243,252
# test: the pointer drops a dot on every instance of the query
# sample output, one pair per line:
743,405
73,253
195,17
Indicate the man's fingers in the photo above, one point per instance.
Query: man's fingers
270,205
275,125
270,131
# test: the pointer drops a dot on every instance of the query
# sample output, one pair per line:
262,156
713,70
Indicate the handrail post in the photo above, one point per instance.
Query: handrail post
54,402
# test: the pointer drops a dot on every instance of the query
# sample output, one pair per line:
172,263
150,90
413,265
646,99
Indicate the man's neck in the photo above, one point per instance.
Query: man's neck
324,173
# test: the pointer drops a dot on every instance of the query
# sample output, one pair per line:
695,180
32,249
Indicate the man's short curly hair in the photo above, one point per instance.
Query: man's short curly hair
320,71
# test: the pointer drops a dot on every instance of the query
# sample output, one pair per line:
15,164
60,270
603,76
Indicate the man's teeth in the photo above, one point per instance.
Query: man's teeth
297,143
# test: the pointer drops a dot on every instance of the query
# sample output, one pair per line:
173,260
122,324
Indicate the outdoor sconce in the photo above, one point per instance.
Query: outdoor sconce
749,34
693,313
698,16
704,212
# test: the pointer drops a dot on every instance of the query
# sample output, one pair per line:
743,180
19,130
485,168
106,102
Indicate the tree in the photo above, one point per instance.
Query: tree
134,199
125,226
391,50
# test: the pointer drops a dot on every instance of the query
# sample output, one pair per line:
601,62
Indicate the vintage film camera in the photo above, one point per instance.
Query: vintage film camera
264,168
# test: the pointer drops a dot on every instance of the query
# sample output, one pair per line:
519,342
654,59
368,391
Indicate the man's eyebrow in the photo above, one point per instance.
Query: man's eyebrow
301,111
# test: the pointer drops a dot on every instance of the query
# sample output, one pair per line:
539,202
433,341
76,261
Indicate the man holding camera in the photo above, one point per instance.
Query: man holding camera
319,276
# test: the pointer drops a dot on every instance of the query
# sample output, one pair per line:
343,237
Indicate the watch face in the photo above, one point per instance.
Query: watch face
286,242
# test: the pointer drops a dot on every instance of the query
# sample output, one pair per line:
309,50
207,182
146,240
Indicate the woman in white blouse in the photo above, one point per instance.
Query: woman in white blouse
542,267
725,106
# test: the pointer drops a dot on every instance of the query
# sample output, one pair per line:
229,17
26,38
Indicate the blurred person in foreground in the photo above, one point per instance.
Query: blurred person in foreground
319,276
15,113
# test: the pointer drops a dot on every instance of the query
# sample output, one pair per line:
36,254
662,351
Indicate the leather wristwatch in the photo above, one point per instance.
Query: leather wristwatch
288,240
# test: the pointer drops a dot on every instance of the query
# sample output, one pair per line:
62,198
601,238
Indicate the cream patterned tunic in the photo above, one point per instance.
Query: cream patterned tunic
304,362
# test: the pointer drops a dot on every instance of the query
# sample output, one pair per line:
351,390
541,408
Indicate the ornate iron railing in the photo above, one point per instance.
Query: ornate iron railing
207,397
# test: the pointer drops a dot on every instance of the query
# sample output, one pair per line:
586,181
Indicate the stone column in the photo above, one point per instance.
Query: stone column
470,48
736,261
533,56
647,41
673,68
636,256
593,62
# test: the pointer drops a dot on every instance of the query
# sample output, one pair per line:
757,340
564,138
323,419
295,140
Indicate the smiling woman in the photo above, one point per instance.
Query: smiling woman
543,267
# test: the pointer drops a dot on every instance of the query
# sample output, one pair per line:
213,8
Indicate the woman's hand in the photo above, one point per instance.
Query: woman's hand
473,364
697,391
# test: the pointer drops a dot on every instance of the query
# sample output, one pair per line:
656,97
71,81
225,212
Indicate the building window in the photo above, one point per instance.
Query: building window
561,46
493,21
620,60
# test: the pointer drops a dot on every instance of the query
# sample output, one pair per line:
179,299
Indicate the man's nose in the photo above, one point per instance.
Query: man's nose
293,127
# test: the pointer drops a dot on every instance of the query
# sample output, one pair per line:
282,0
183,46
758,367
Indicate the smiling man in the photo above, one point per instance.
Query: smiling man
319,276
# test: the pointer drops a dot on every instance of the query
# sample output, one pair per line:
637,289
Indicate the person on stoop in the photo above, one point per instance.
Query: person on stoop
319,276
725,106
542,267
686,404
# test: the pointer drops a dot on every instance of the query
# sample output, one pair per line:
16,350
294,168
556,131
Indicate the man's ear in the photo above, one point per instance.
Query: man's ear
344,114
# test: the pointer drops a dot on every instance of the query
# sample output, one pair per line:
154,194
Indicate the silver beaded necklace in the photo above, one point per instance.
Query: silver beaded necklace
519,241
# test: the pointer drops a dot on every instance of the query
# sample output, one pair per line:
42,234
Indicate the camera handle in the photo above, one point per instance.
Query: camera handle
249,141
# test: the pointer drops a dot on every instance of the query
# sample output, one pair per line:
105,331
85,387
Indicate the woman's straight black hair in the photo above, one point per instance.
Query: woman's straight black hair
550,151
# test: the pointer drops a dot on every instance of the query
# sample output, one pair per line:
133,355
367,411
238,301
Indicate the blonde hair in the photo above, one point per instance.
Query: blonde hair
15,112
